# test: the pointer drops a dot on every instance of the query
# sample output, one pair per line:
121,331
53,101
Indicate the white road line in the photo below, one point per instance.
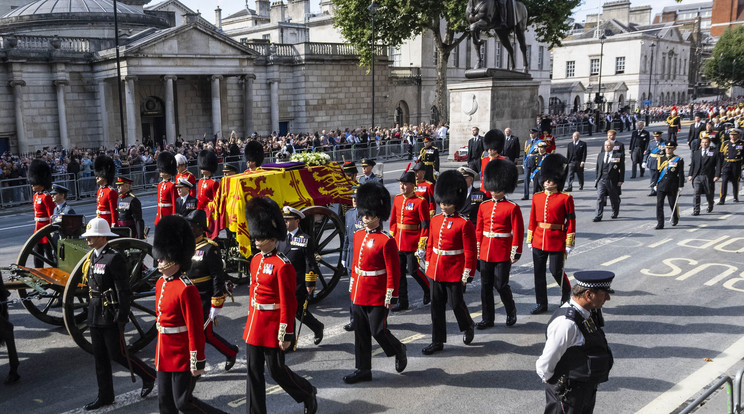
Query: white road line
659,243
17,227
725,216
690,386
122,400
613,261
700,226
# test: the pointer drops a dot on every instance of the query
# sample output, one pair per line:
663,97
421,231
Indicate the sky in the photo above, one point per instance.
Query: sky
206,7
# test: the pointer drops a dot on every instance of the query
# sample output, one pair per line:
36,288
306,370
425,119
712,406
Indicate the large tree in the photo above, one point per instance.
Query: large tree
726,66
399,20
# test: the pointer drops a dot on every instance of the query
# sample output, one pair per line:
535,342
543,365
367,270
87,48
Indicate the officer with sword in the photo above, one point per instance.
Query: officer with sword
671,180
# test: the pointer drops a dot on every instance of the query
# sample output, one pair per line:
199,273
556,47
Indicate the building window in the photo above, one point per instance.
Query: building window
620,64
528,63
266,37
594,66
395,55
540,57
570,68
498,54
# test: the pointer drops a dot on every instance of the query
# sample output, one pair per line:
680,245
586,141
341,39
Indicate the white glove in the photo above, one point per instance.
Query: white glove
643,165
421,254
569,250
213,312
343,263
529,246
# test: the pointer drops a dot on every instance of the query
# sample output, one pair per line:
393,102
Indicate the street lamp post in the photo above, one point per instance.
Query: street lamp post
599,99
372,9
650,74
118,77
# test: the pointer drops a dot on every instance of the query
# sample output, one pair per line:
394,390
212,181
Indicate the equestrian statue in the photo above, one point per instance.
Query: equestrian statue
504,17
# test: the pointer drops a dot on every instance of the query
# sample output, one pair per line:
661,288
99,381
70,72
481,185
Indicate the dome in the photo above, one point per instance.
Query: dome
72,6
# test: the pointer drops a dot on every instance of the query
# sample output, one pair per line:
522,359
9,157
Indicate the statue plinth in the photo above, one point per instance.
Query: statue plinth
492,98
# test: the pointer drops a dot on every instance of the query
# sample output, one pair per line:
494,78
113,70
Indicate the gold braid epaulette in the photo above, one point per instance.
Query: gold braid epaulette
218,301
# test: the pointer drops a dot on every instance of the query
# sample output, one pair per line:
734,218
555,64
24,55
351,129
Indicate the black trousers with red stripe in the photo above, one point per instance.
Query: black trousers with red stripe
175,394
371,322
227,349
409,264
297,387
108,346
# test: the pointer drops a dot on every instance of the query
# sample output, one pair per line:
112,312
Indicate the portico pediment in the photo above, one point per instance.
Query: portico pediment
187,40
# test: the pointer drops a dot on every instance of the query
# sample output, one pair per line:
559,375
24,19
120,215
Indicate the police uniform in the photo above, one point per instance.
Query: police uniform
499,233
106,197
551,231
180,322
371,178
375,280
166,189
671,179
299,249
105,272
187,203
451,258
653,151
273,307
429,155
732,154
39,173
576,357
474,198
674,124
409,224
129,211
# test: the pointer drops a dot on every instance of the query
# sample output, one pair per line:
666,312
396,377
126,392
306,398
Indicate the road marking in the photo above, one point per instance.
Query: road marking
725,216
269,390
613,261
121,401
17,227
552,285
659,243
700,226
410,339
690,386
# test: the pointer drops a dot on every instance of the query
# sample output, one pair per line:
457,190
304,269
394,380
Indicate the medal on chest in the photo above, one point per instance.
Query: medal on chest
124,205
198,256
449,224
299,241
409,206
370,243
268,268
421,189
99,269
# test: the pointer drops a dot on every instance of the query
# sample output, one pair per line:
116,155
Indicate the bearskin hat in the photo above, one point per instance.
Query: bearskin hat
264,219
208,160
174,241
494,139
554,167
451,188
105,168
39,173
500,175
408,177
198,217
167,163
254,152
373,200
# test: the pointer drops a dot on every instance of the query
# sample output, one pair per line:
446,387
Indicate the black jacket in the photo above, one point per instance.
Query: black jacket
512,148
639,140
694,133
475,152
184,208
674,177
708,165
614,171
130,215
206,273
108,271
301,252
472,204
576,153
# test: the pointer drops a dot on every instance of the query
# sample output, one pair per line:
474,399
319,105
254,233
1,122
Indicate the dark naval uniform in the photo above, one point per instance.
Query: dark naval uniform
130,215
472,205
185,205
671,179
731,160
653,151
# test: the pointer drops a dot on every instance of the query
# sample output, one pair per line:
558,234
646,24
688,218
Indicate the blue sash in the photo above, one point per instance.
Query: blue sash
666,168
532,176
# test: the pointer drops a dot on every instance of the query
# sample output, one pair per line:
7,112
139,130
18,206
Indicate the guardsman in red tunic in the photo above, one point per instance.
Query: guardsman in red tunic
183,172
549,140
451,259
179,357
424,188
207,185
409,224
254,155
166,189
374,284
107,199
493,143
40,178
499,232
551,231
269,330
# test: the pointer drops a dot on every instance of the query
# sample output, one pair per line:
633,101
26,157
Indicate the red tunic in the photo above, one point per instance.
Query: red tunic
107,205
484,161
166,200
43,210
179,305
550,141
409,221
499,230
375,275
425,190
450,250
272,300
207,191
190,177
552,224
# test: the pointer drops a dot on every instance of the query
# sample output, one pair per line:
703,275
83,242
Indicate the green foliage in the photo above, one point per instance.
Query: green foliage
550,18
726,66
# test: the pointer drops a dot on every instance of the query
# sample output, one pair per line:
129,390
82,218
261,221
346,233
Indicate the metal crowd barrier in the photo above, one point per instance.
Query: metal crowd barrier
733,397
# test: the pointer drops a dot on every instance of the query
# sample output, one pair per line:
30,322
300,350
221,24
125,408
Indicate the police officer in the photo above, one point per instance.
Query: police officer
654,150
129,209
574,338
429,155
705,169
671,179
183,172
424,187
179,356
499,233
451,257
732,152
368,176
409,224
269,329
374,284
474,198
353,223
106,197
40,178
166,188
528,163
59,196
185,203
105,272
300,250
207,274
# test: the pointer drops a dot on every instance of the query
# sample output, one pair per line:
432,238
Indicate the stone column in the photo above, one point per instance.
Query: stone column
64,140
17,84
170,113
130,109
216,106
103,111
274,84
248,104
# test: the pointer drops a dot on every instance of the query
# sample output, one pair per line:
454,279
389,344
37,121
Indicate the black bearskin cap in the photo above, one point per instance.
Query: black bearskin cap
500,175
167,163
198,217
408,177
104,167
554,168
207,160
39,173
373,200
264,219
494,139
174,241
254,152
451,188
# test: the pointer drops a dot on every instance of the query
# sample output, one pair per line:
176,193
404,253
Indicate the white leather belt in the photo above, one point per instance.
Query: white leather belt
103,212
361,272
165,204
265,306
41,219
448,252
493,235
171,329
